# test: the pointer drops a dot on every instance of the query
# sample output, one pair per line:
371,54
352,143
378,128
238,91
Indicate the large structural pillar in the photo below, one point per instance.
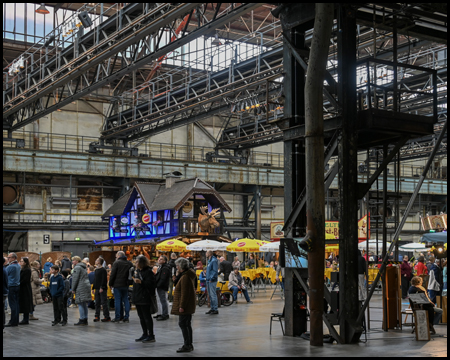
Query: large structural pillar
294,112
347,150
294,152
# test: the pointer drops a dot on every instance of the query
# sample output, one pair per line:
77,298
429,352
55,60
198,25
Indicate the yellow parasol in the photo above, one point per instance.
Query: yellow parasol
331,247
246,245
171,245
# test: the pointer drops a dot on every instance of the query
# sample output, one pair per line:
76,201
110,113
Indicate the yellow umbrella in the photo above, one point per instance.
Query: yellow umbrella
246,245
171,245
331,247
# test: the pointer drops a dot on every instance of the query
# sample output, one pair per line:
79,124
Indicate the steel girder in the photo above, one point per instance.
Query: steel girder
66,79
188,111
68,82
180,96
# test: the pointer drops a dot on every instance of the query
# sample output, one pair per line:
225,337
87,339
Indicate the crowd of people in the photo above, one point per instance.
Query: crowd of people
171,281
75,281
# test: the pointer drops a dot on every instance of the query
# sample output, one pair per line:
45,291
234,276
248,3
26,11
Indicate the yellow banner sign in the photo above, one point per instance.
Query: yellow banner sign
332,228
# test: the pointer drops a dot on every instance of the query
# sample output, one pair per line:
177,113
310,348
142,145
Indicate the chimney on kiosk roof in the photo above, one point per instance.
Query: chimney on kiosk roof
171,178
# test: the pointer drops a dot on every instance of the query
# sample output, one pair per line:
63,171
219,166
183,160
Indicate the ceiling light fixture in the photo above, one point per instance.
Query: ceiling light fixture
42,9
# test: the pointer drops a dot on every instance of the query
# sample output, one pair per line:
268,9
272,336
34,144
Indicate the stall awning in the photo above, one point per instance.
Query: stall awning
439,237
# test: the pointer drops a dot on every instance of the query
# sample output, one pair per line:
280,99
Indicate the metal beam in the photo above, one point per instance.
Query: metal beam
403,221
154,27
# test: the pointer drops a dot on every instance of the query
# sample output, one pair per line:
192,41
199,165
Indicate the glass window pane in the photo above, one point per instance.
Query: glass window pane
20,21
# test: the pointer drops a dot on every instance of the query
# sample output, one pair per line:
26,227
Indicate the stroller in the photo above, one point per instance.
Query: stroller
45,293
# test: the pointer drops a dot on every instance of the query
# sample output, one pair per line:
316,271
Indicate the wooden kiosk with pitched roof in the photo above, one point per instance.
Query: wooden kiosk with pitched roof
150,213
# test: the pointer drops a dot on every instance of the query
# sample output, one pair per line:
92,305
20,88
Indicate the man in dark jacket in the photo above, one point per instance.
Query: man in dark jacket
119,282
162,286
66,263
173,272
100,288
362,269
225,268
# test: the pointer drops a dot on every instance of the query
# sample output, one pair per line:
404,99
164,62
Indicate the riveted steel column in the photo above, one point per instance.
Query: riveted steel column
294,151
347,149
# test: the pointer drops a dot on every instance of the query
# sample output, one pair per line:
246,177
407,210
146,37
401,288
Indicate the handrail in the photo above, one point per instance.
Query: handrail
80,144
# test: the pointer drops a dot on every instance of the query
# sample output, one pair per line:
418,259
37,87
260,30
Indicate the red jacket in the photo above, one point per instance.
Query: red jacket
421,269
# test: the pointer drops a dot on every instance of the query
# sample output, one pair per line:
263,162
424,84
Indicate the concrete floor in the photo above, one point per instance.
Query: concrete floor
238,330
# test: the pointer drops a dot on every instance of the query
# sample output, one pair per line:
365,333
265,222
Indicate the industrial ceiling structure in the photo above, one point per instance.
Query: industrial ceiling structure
161,66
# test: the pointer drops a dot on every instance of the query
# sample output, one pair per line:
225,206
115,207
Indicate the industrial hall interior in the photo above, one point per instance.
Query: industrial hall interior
262,179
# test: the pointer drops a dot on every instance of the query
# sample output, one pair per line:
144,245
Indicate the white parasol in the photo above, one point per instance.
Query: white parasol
272,247
413,247
205,245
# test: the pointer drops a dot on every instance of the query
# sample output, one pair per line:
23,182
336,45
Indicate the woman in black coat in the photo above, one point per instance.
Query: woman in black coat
25,291
144,297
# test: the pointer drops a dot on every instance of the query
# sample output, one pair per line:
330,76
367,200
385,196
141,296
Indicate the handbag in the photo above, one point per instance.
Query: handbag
153,304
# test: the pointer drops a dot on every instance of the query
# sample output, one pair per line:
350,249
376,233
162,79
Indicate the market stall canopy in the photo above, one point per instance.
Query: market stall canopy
171,245
439,237
204,245
246,245
373,245
412,247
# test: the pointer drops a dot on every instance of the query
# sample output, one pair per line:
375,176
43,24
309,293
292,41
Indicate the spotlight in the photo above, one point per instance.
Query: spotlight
42,9
85,19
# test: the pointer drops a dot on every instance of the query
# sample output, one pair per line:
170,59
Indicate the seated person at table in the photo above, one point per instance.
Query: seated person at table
202,278
271,265
434,313
236,283
225,268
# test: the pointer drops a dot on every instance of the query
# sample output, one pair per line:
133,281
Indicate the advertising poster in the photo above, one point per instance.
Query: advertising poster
276,230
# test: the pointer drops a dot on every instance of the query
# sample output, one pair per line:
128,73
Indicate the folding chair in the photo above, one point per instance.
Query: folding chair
279,317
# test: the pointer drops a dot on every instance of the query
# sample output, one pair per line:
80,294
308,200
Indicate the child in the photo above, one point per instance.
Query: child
57,291
65,275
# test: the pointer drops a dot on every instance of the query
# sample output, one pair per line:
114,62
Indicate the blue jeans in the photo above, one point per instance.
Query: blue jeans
432,295
13,299
83,309
162,295
212,294
235,291
121,295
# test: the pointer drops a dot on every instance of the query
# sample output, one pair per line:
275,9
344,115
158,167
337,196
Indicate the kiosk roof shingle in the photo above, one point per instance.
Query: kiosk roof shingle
157,197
